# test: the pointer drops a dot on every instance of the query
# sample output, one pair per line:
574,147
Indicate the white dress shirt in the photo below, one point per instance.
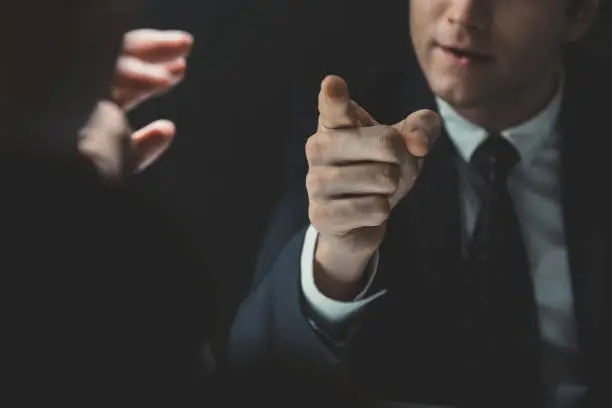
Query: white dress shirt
535,187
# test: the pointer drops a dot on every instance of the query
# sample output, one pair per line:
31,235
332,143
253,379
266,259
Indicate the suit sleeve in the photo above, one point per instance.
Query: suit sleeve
271,323
285,317
331,312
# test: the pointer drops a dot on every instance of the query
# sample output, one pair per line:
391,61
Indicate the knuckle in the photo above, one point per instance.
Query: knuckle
428,120
318,144
389,176
413,167
314,182
334,174
410,172
315,146
314,213
383,139
319,216
388,139
379,210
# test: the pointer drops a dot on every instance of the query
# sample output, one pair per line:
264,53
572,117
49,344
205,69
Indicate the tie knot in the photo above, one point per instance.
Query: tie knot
495,158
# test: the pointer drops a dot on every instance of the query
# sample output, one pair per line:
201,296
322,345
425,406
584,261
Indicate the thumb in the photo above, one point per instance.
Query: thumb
336,109
149,142
420,131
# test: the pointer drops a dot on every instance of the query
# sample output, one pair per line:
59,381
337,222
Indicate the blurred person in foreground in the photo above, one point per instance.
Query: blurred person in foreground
452,256
103,306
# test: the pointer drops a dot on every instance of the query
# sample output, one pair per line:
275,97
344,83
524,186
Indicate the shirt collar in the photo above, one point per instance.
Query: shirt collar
525,137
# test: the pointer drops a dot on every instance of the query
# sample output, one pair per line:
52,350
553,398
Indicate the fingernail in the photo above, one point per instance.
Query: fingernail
175,35
336,89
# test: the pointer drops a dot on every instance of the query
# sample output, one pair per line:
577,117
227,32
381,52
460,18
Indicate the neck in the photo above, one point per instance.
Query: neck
514,108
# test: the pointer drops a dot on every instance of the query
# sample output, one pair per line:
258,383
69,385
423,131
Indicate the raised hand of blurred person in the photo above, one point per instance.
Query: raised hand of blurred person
151,62
116,151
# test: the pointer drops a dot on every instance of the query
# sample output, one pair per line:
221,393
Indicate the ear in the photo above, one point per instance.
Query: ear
149,142
581,19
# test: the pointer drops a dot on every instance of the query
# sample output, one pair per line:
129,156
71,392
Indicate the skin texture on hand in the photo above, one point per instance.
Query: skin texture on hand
359,170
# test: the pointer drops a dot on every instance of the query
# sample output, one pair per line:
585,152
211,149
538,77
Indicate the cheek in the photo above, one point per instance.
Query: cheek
424,16
528,49
417,32
532,33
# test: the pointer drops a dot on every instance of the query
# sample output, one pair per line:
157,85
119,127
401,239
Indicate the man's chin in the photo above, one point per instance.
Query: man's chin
461,97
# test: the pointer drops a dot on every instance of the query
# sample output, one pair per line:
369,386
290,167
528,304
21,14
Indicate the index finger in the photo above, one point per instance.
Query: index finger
157,46
337,110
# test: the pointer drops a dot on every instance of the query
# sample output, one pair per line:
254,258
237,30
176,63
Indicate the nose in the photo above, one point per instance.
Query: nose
470,14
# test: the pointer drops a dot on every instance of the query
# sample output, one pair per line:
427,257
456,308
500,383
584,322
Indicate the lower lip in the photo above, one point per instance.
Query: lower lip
461,61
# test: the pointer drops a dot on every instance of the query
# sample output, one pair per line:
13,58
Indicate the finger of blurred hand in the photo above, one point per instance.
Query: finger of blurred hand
136,81
149,142
336,109
176,67
367,144
103,137
132,71
157,45
420,131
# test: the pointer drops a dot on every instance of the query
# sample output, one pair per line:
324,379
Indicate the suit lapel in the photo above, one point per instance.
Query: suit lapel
430,214
585,210
431,242
418,263
436,229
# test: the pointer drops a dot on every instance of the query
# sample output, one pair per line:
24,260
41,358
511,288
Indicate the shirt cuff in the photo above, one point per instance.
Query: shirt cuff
332,311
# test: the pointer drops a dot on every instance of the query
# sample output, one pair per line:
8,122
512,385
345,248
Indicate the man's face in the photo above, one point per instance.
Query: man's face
62,60
475,51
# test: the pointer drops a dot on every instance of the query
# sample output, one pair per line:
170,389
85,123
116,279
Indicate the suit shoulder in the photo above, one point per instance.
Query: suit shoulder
590,73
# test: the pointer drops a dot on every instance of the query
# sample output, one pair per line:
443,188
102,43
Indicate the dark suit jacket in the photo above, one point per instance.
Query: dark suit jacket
407,347
103,306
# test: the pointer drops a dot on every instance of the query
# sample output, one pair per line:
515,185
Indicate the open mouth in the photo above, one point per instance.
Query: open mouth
466,54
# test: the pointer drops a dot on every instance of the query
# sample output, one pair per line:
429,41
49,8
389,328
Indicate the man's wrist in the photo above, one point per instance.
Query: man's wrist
339,275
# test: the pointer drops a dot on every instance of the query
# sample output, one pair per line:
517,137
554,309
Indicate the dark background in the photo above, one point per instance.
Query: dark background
222,177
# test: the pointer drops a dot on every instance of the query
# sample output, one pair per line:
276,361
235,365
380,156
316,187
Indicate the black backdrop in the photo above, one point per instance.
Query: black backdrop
223,175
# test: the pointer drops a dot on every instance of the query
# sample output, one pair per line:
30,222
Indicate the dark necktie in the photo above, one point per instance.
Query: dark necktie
507,335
